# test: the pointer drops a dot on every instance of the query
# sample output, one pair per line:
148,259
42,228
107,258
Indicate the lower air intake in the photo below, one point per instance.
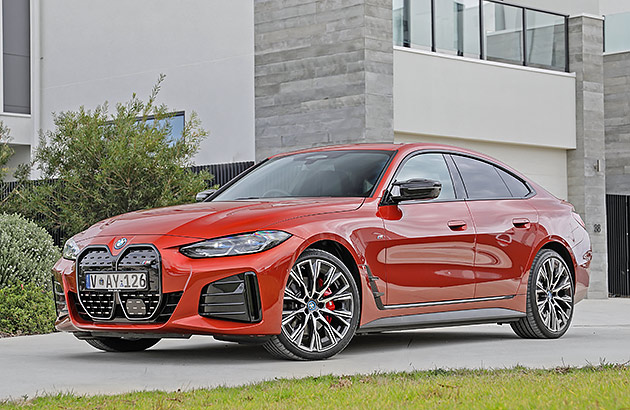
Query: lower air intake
235,298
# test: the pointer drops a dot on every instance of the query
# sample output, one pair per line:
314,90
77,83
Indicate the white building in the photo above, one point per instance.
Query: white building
89,52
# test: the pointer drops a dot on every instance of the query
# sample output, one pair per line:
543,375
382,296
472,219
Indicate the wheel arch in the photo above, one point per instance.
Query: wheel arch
342,253
564,252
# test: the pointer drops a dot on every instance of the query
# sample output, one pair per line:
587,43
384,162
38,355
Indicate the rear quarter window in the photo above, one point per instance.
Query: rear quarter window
481,179
517,188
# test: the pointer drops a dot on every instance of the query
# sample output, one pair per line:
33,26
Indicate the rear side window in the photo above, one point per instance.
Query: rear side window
481,179
517,187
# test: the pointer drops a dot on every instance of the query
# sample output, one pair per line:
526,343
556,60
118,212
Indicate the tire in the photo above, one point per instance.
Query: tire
116,344
550,301
321,309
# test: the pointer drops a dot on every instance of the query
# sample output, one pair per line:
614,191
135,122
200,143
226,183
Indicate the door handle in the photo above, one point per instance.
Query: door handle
520,222
457,225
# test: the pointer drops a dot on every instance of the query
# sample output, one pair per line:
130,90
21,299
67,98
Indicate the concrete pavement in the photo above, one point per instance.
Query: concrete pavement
37,365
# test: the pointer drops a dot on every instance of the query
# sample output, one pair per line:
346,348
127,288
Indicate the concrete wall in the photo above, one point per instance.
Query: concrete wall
617,122
546,166
323,73
472,99
107,49
586,164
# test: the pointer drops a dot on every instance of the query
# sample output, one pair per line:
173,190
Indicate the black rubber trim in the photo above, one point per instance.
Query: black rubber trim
374,288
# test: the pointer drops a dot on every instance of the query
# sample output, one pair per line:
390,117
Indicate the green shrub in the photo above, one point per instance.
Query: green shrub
27,253
26,310
107,163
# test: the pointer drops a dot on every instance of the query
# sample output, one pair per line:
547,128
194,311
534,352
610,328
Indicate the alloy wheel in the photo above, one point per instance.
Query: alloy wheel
318,306
554,294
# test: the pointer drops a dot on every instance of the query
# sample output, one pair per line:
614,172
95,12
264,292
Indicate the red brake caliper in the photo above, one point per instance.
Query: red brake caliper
329,305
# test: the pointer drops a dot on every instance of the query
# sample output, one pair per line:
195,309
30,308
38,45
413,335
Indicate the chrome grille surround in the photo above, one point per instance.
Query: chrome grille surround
107,305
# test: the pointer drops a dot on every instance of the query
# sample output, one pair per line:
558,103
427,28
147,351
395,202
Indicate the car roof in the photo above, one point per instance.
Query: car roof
407,148
403,148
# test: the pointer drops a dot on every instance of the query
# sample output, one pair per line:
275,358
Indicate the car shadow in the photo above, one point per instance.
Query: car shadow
214,352
183,353
379,342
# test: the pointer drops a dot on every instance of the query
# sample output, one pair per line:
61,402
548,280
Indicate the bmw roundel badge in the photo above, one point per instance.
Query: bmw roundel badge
120,243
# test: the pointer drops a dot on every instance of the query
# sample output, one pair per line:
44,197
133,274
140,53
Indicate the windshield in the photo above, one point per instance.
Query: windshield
313,174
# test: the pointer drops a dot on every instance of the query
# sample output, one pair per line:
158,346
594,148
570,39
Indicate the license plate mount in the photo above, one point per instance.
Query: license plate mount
110,281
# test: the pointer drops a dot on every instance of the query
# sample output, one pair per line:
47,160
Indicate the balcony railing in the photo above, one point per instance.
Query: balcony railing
484,29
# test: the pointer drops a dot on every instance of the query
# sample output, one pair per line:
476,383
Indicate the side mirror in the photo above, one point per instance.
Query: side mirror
415,189
203,195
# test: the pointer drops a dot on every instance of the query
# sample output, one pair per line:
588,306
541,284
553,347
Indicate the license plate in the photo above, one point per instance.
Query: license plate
116,281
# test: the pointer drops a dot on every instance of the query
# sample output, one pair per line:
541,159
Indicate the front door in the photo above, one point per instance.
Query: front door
429,252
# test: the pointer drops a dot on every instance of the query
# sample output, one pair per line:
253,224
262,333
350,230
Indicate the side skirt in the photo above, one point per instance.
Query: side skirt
442,319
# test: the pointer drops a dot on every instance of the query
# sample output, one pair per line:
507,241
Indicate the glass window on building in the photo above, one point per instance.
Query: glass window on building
503,32
617,32
457,27
500,32
176,123
398,10
16,56
412,23
546,40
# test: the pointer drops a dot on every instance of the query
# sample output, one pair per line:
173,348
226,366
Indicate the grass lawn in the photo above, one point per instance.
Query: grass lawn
601,387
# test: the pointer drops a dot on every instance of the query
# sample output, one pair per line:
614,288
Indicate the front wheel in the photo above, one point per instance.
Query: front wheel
321,309
117,344
549,298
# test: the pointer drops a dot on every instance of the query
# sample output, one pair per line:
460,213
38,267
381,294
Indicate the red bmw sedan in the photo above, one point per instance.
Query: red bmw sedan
307,249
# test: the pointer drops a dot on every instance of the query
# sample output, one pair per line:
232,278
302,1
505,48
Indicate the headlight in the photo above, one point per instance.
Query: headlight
235,245
70,250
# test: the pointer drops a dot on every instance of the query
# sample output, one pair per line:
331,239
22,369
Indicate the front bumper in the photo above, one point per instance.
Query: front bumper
190,278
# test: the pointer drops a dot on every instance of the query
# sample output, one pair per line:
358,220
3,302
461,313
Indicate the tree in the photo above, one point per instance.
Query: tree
5,150
99,165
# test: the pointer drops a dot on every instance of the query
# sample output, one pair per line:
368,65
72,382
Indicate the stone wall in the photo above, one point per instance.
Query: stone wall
323,73
586,165
617,122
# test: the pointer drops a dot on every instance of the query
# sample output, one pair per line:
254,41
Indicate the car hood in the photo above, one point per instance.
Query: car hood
213,219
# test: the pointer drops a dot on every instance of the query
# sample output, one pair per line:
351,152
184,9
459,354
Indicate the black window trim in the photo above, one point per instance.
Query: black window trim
456,178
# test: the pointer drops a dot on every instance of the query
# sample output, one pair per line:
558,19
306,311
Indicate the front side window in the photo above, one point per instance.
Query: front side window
481,179
314,174
428,166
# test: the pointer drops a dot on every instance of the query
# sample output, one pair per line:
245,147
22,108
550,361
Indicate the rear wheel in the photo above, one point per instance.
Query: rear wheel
549,298
116,344
320,309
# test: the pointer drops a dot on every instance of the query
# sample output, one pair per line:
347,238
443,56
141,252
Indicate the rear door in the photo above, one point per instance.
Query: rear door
505,224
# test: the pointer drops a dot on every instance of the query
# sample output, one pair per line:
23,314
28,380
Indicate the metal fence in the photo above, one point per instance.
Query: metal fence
222,173
617,225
